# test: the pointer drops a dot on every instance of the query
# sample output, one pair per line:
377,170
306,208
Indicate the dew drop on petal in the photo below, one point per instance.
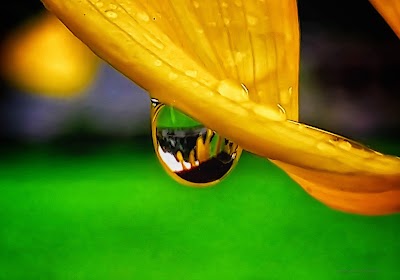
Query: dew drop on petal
286,95
157,62
252,20
172,76
326,147
111,14
99,4
272,113
191,73
190,153
345,145
227,21
143,16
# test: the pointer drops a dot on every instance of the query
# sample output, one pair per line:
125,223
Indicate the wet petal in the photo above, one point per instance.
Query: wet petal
159,49
195,41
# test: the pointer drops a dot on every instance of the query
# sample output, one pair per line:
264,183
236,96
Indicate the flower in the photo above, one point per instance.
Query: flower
198,55
44,58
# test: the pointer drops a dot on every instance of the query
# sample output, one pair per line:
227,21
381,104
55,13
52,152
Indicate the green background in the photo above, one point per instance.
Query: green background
169,117
108,211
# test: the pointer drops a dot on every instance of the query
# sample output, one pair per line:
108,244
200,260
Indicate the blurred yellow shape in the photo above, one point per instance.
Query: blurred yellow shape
390,11
44,57
199,56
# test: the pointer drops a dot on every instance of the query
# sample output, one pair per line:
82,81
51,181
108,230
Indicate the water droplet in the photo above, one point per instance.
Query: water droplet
345,145
112,6
286,95
239,56
196,4
143,16
301,127
111,14
172,76
224,5
233,90
326,148
272,113
99,4
357,148
245,88
281,109
251,20
227,21
191,73
190,153
341,143
158,62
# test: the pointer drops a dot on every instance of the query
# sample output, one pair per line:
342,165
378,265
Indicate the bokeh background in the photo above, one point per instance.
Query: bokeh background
83,197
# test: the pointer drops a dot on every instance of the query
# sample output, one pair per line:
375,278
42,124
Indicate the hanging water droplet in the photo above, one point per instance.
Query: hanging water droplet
190,153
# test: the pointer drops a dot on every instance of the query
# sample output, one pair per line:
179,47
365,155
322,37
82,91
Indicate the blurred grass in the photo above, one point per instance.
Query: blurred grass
108,211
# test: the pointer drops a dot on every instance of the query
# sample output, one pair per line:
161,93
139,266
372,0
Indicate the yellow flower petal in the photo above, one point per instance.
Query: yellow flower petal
141,38
43,57
390,11
198,56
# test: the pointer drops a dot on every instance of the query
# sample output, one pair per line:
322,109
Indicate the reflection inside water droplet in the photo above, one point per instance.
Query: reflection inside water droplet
190,153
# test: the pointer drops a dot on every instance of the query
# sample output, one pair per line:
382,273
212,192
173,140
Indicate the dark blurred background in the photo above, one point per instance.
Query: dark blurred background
350,60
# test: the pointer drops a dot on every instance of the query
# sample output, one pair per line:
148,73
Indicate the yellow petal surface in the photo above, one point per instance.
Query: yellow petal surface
390,11
187,55
43,57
